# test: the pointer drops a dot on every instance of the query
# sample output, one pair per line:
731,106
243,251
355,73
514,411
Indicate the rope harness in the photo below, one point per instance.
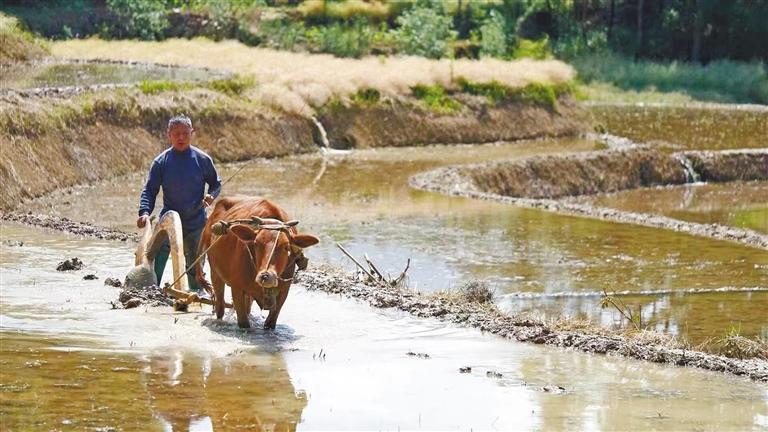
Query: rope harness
221,228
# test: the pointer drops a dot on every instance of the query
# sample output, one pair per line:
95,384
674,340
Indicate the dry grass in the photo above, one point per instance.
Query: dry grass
298,82
734,345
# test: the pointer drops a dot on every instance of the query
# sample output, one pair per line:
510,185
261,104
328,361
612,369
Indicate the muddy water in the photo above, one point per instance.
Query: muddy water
363,201
687,127
71,363
62,74
744,205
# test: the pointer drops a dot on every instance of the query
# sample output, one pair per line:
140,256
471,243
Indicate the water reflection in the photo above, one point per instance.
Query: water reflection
69,386
246,391
739,204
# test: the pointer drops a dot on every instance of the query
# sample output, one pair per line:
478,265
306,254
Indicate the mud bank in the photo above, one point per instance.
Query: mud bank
607,171
403,123
487,318
539,182
730,165
68,226
51,143
95,135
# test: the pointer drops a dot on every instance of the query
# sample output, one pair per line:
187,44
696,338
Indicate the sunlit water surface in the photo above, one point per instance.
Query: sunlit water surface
363,201
70,362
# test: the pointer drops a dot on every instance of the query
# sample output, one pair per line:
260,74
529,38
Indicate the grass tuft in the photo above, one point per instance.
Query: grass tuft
541,94
477,291
436,98
366,97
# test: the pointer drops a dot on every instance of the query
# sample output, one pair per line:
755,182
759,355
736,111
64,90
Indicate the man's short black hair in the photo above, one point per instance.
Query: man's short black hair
180,119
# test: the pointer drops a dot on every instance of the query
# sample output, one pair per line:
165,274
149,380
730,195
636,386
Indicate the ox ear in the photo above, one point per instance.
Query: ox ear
305,240
243,232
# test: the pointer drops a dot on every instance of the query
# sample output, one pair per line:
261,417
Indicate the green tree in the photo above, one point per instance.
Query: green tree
143,19
425,31
493,36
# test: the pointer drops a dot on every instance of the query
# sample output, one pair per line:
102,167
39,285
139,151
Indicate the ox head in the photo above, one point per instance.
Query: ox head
276,247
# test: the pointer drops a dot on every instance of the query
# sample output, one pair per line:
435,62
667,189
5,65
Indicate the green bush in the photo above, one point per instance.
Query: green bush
493,37
282,34
143,19
341,40
17,44
436,98
425,31
538,50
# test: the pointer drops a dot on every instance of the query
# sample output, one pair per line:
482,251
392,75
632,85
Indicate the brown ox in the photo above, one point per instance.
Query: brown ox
247,259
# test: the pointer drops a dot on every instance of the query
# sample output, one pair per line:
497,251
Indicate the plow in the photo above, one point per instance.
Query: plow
168,227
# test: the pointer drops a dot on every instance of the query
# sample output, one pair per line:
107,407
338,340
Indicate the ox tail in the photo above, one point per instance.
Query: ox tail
202,246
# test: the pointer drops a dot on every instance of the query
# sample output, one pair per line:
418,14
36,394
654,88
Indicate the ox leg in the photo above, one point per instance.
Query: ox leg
271,321
248,303
238,300
218,294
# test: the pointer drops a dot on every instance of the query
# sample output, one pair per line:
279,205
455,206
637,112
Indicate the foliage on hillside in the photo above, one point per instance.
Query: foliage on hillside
17,44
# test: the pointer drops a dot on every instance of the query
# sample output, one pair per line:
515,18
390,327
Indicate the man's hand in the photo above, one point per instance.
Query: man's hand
141,222
207,200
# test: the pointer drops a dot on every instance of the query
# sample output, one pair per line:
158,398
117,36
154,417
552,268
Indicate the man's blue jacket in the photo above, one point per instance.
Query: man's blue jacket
183,176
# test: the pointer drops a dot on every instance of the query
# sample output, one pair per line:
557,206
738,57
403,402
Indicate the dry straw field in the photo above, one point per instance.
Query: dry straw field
296,82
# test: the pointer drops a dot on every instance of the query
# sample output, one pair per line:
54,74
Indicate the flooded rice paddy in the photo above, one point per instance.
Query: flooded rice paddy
363,201
55,74
743,205
74,363
687,128
71,363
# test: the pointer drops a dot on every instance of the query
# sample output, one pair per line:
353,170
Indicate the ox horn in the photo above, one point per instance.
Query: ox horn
292,223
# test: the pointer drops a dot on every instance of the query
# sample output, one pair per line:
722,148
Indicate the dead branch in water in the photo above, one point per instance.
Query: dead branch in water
400,278
635,318
373,272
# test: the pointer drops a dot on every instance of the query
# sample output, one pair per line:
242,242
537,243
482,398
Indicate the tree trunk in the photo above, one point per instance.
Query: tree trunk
697,25
610,20
640,36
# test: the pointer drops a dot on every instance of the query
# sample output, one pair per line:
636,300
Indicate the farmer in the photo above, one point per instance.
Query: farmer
182,171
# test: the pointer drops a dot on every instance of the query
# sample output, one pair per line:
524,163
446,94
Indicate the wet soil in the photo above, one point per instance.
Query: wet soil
67,225
153,296
70,264
523,328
